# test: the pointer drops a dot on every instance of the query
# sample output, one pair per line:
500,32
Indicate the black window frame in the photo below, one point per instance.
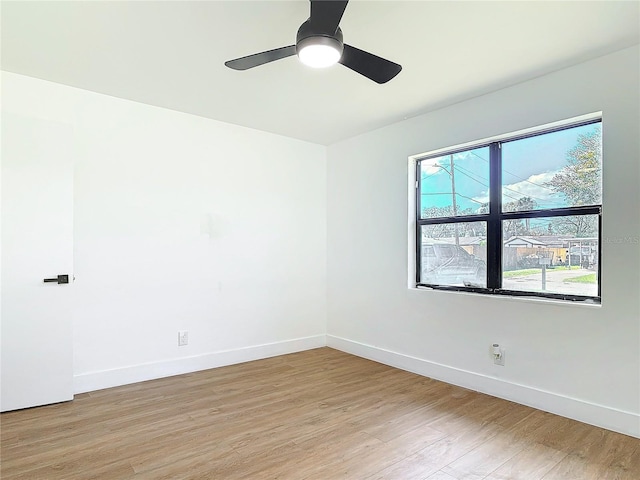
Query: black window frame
496,216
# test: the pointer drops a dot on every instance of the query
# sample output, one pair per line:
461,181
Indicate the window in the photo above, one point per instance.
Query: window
520,215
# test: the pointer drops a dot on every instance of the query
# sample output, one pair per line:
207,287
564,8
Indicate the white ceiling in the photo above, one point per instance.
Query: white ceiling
171,54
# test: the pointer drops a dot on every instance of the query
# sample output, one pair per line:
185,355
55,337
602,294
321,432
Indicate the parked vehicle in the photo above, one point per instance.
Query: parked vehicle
447,264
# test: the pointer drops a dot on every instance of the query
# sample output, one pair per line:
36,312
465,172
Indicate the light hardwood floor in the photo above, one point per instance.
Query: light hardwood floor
319,414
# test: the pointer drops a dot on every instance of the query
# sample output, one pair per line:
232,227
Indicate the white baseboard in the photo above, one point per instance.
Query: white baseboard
613,419
88,382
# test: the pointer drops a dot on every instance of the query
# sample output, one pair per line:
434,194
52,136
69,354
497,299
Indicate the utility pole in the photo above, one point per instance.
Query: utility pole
453,194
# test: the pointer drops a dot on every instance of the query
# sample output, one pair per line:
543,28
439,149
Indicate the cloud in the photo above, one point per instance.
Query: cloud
430,167
483,197
531,187
534,187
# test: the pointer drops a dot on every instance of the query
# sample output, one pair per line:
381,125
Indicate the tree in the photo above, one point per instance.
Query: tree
518,226
580,180
578,225
448,230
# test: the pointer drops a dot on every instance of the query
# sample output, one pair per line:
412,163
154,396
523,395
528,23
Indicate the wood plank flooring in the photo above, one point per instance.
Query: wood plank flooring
319,414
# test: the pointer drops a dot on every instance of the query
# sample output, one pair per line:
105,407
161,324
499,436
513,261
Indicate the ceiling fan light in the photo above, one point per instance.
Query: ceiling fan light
319,52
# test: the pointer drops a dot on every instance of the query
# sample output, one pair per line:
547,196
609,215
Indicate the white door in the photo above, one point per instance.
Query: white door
37,244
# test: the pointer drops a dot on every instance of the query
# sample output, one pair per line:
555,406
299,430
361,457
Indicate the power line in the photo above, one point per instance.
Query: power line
456,193
473,176
469,198
462,170
431,174
485,185
513,174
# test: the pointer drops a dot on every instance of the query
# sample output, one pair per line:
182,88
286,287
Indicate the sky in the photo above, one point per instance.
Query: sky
527,164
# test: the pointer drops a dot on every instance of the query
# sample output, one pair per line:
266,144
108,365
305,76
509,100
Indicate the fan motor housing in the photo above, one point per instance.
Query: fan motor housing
308,36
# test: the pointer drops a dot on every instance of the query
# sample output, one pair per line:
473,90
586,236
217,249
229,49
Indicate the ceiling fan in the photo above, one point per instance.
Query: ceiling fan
319,44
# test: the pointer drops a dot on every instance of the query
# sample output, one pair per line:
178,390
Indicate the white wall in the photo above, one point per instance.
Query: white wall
184,223
578,361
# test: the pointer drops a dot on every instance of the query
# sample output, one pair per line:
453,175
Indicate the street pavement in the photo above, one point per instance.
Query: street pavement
555,282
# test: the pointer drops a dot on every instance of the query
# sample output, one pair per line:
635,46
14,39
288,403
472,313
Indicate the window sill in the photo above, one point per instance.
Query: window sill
512,298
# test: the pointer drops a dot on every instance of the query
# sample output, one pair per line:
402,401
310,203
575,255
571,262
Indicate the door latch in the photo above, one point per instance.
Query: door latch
59,279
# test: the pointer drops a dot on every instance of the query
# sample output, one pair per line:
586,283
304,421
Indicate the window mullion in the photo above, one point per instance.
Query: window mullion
599,254
418,187
494,226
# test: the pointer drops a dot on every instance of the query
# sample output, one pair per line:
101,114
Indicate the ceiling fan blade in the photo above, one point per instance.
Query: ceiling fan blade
371,66
250,61
326,15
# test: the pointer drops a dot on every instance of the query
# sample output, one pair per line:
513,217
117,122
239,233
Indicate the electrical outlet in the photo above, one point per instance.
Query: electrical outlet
183,338
498,358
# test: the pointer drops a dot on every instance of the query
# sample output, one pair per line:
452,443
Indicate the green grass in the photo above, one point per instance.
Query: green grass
520,273
533,271
589,278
